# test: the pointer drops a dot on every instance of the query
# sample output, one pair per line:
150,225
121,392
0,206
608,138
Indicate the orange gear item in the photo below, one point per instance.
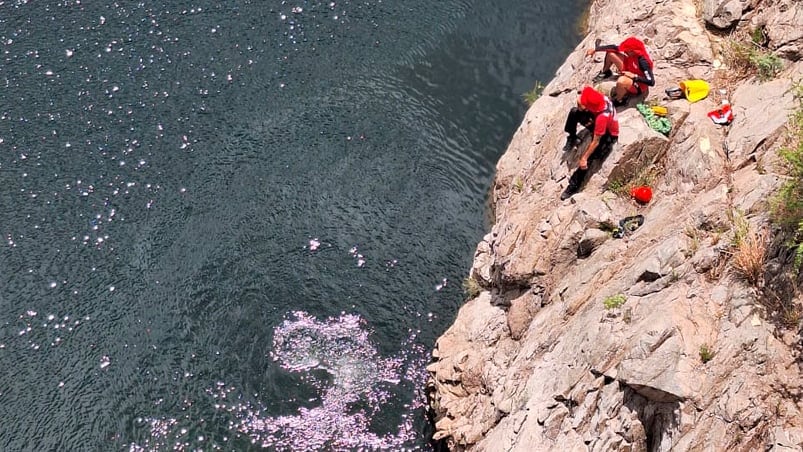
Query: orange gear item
642,194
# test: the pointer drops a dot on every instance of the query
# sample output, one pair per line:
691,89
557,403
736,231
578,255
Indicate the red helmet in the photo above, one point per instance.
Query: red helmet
642,194
592,99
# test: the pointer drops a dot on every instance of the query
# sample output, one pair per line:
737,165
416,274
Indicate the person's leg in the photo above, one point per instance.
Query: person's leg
634,91
643,91
575,117
624,85
572,119
613,59
587,120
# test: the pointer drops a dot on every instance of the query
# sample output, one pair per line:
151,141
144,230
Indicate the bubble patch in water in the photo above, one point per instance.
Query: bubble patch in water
361,384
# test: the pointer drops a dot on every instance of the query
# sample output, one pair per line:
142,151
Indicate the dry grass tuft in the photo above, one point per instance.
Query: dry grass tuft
746,55
471,288
750,255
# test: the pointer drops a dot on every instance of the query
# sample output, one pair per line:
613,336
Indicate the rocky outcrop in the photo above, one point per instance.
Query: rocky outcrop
548,357
722,14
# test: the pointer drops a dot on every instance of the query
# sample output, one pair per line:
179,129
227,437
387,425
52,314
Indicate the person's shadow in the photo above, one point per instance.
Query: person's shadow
580,176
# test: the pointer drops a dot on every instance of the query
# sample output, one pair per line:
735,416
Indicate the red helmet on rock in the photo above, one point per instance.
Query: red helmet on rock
642,194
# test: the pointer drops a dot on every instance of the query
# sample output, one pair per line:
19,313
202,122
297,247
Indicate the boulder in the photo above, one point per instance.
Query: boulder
722,14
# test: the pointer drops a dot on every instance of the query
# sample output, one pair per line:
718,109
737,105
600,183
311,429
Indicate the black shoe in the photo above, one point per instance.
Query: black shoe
571,142
602,76
627,225
568,193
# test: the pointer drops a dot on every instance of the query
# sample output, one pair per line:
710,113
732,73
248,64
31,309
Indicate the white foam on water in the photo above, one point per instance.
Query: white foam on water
360,386
342,347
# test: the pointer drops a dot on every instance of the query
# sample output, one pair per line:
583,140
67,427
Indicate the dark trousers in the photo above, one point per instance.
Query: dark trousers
577,116
604,148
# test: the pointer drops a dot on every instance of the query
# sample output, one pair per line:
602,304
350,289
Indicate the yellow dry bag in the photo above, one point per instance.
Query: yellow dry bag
694,90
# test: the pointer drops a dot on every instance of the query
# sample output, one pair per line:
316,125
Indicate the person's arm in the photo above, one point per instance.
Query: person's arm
648,79
603,48
583,162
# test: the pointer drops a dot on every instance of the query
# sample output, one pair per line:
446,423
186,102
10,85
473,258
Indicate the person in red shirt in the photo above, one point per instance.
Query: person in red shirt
633,63
596,112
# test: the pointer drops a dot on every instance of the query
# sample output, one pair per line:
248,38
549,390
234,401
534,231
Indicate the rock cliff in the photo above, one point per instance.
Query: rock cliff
577,340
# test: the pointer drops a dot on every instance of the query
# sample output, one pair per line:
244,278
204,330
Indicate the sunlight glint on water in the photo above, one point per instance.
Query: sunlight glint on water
242,225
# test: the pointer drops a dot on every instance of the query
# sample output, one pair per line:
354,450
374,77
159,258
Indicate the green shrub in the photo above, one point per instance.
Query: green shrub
643,173
767,64
787,204
747,59
741,227
614,301
706,354
617,186
518,184
759,37
532,95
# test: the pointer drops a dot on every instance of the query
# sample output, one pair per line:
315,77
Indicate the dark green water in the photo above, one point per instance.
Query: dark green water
242,225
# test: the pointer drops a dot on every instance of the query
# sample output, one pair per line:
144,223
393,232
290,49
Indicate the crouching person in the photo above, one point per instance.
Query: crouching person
634,64
599,108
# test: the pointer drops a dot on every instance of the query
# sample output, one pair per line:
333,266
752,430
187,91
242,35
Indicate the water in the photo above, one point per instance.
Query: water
242,225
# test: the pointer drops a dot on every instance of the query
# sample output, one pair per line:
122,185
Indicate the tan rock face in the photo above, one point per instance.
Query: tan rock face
648,342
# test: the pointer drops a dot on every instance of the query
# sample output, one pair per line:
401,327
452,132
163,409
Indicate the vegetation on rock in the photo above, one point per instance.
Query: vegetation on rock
787,207
749,250
471,288
706,353
532,95
750,57
614,301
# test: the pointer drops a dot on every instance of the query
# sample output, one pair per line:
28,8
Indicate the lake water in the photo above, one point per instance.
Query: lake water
242,225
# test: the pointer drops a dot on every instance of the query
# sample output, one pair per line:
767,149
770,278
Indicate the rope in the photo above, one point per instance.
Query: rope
657,123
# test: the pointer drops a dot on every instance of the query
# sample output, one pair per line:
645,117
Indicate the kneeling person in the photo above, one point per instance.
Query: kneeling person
592,104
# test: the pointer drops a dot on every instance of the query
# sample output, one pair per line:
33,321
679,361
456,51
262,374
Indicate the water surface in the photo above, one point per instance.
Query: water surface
242,225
